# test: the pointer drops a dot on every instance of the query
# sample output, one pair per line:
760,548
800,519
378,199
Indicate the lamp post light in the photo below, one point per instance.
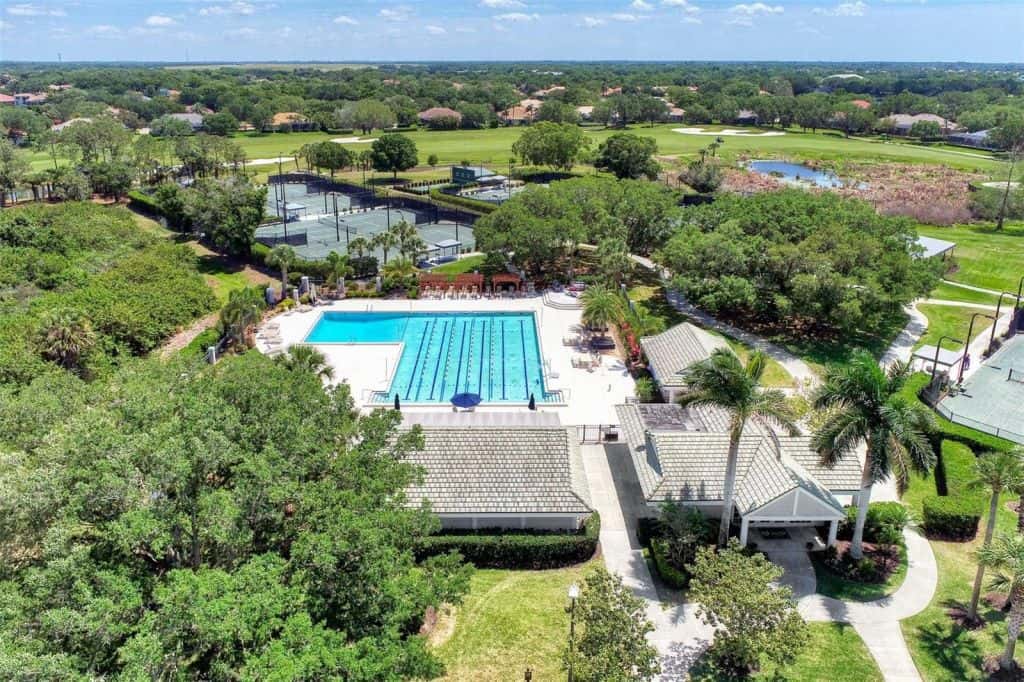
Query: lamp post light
938,348
970,330
574,593
999,305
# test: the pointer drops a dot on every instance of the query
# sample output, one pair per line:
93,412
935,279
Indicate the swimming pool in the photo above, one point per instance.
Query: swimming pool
496,355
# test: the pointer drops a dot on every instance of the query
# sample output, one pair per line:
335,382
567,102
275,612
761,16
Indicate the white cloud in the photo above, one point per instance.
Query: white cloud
26,9
502,4
517,17
740,21
756,8
641,5
465,29
692,20
623,17
4,25
683,5
593,22
103,30
241,8
400,13
843,9
347,20
244,33
435,30
159,20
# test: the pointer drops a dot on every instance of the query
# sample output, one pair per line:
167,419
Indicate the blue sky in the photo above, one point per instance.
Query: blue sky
380,30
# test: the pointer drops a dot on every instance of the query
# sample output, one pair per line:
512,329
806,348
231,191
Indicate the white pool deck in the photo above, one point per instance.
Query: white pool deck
590,396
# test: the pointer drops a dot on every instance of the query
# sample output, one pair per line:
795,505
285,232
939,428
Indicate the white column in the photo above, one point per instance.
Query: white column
833,528
744,527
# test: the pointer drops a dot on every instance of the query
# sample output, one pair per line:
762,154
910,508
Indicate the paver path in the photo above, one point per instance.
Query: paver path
615,494
971,287
957,304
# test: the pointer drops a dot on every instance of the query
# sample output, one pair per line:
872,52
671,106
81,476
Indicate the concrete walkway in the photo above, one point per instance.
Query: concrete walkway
957,304
971,287
679,635
902,346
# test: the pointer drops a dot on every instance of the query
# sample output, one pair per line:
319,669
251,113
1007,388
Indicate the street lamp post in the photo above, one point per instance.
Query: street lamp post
574,593
337,229
938,348
970,330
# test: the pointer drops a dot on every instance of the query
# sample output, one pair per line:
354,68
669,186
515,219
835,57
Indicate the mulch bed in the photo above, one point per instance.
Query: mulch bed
885,557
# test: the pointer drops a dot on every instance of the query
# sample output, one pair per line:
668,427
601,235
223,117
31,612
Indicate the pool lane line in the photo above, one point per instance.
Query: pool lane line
416,364
462,348
490,368
448,358
503,359
526,375
483,345
437,364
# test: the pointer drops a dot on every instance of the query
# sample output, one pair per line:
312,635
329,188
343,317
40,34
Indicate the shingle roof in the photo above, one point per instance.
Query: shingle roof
524,470
674,350
673,462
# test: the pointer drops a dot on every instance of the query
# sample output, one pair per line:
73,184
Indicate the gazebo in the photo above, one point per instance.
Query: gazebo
469,280
448,247
504,279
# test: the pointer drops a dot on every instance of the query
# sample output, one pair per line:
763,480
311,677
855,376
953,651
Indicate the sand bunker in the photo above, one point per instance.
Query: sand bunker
727,132
352,140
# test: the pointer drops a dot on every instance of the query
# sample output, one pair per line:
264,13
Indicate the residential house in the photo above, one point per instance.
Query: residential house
294,121
672,352
526,476
861,103
6,100
71,121
194,120
517,115
585,112
978,139
434,113
746,117
547,92
27,99
900,124
608,92
675,114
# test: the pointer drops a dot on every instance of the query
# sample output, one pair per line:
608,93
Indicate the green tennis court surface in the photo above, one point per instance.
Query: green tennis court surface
308,195
992,400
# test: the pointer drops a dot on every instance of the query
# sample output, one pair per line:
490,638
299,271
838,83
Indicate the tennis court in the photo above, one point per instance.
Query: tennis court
494,195
314,238
313,197
992,399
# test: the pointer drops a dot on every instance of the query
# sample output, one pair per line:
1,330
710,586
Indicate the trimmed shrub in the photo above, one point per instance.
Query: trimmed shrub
474,205
515,549
951,518
670,575
881,515
144,203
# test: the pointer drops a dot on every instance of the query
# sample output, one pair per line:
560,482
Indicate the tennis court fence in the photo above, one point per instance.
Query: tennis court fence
979,426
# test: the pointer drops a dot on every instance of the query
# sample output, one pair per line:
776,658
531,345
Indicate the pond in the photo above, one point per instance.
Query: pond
796,173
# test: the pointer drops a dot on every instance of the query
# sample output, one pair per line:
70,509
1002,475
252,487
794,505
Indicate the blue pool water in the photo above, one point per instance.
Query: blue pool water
495,355
796,173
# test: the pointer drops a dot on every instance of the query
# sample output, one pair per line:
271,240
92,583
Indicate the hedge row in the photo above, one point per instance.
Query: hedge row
517,549
953,517
143,202
880,515
474,205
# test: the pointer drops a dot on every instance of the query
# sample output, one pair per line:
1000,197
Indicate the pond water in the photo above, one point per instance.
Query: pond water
796,173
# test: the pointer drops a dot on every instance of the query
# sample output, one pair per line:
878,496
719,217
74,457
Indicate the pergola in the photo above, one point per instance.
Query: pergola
503,278
469,280
433,280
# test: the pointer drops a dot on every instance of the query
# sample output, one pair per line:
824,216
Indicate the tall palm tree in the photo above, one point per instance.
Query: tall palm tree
242,311
602,306
338,267
359,246
995,472
65,336
1006,557
863,404
643,323
282,256
398,269
723,381
385,241
302,358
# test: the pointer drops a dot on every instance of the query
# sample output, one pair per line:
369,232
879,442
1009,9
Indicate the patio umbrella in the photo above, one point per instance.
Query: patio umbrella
533,402
398,404
466,400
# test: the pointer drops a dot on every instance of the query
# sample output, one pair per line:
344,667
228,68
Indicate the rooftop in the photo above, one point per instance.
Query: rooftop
673,351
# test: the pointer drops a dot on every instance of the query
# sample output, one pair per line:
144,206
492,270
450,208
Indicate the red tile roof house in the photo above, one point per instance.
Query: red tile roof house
435,113
6,100
861,103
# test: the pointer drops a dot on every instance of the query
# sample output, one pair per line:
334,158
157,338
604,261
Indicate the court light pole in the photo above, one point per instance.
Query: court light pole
970,330
337,229
999,305
938,348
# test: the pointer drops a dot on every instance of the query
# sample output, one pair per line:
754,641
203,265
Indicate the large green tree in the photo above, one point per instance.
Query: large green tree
227,211
393,152
628,156
13,168
551,144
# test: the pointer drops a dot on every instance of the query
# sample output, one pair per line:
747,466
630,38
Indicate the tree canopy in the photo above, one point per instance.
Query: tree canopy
628,156
393,152
227,522
551,144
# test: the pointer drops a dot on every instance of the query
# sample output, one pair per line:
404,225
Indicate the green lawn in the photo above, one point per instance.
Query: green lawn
947,320
831,585
986,258
951,292
510,620
460,266
775,375
942,650
835,653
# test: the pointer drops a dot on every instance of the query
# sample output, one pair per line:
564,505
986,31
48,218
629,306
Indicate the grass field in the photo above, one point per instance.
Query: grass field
831,585
949,292
460,266
494,146
986,258
946,320
942,650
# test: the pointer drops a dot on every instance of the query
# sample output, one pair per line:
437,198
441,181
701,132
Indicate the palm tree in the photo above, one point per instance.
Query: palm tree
359,246
65,336
338,267
863,403
1006,557
307,359
995,472
398,269
242,310
282,256
602,306
643,323
385,241
722,381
